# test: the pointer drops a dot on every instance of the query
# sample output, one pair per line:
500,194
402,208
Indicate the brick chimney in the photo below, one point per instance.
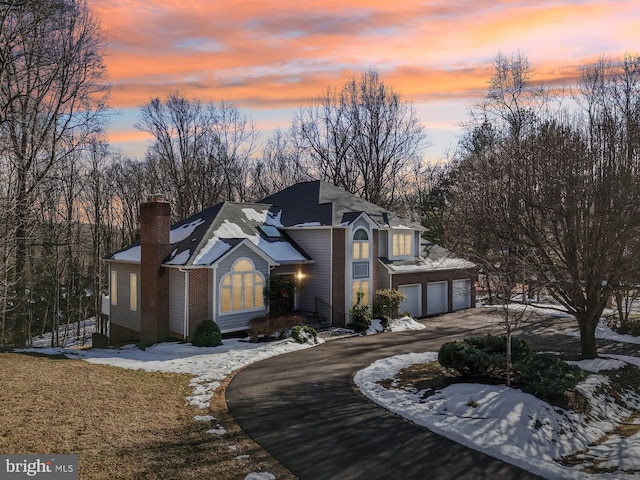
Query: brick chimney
155,225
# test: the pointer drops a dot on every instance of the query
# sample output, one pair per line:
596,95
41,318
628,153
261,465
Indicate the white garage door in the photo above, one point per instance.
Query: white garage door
436,298
413,302
461,294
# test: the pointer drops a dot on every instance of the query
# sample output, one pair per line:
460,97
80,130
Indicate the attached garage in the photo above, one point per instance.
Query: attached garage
413,302
461,294
437,299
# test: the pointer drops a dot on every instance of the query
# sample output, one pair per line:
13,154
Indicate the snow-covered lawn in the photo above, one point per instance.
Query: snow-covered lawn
516,427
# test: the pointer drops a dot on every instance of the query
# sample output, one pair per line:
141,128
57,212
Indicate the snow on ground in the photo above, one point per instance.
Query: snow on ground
396,325
68,335
514,426
208,365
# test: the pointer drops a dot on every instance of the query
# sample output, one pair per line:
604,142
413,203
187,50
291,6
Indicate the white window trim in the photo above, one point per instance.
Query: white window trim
220,287
355,242
113,293
404,233
133,292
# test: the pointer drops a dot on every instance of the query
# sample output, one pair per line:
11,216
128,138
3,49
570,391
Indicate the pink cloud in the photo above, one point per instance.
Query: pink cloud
279,54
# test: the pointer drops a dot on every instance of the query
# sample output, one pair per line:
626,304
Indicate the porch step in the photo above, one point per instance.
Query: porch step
315,320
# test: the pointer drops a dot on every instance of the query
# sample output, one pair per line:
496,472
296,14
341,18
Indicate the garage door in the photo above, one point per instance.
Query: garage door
413,302
461,294
437,298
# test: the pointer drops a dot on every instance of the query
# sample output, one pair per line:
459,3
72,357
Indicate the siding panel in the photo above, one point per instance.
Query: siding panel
121,314
176,301
317,282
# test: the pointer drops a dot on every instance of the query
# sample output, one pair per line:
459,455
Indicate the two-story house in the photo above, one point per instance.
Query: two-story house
215,265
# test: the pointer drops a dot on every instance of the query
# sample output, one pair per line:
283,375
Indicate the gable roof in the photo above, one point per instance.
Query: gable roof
323,204
204,238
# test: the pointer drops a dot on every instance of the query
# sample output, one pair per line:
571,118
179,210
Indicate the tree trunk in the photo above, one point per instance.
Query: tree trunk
588,336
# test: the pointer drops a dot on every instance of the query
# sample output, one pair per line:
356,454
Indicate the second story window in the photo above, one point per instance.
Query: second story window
360,245
402,244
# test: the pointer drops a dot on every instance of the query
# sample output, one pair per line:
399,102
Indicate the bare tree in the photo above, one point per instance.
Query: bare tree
323,132
514,100
278,166
200,154
364,138
562,191
52,94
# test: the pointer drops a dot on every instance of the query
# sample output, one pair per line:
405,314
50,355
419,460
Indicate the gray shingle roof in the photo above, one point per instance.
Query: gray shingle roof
202,239
326,204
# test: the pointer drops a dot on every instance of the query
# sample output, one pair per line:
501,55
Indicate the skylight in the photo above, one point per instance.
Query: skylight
270,231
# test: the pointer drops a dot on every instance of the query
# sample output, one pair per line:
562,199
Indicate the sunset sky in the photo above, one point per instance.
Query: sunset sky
270,57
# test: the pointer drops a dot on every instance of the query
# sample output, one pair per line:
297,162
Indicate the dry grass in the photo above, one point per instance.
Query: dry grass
430,376
123,424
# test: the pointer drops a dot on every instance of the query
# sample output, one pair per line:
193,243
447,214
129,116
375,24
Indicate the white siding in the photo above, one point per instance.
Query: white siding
121,313
317,283
383,243
176,300
383,279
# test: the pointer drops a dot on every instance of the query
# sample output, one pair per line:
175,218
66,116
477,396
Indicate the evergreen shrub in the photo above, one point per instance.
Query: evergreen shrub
207,334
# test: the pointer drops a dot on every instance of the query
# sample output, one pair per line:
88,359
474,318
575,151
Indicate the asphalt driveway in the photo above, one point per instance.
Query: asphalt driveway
303,409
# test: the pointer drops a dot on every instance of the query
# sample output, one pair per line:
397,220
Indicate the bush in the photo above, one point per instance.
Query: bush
546,376
477,356
361,315
304,334
386,303
279,294
263,328
207,334
541,375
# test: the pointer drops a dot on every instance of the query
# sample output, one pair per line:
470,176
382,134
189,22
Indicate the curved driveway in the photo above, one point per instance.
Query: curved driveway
303,409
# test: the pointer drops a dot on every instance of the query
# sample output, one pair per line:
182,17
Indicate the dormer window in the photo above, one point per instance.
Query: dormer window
402,244
361,245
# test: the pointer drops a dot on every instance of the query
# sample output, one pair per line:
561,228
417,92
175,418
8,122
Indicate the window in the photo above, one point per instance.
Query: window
133,291
360,290
361,270
241,289
402,244
114,288
360,245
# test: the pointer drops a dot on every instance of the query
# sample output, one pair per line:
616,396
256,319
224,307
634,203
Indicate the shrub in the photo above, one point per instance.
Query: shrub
279,294
541,375
485,355
207,334
263,328
386,303
545,376
361,315
304,334
283,323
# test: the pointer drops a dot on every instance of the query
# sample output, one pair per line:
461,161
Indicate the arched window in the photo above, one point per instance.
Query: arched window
360,244
242,288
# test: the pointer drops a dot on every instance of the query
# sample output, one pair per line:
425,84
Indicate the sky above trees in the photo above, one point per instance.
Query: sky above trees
270,58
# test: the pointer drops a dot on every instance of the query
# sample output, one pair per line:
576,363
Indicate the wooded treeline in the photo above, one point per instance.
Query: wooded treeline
542,189
68,199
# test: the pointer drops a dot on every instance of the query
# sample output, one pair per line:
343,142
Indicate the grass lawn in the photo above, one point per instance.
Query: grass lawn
123,424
